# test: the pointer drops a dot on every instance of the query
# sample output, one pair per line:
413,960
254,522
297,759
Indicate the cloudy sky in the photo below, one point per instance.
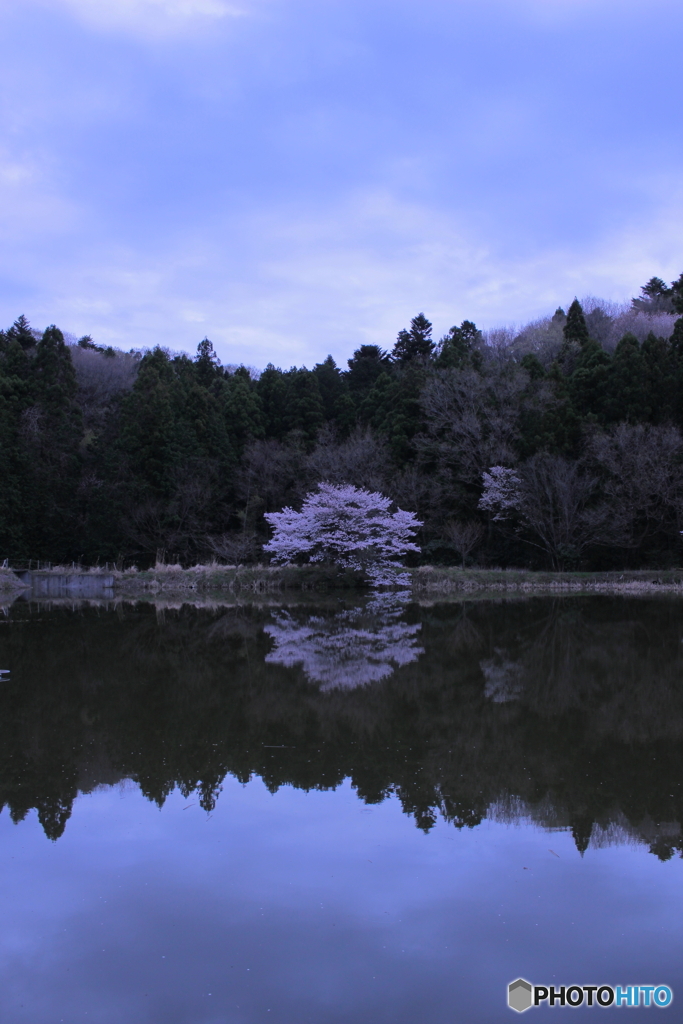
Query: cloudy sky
297,177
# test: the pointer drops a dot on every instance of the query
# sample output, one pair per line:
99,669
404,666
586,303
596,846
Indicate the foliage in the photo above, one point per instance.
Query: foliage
348,526
109,455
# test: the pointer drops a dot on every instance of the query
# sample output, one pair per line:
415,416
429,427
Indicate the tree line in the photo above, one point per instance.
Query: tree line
108,455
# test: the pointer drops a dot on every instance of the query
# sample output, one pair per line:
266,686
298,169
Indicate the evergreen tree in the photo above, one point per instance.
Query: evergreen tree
588,384
273,393
676,356
575,328
659,380
365,366
393,408
533,366
414,344
148,432
208,365
333,385
305,412
21,332
627,398
52,432
242,409
460,347
14,398
677,294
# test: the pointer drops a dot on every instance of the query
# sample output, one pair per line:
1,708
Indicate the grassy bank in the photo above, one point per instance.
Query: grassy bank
9,583
256,579
449,580
426,580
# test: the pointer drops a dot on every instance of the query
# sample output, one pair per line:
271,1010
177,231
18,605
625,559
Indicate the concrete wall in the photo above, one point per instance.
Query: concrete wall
52,584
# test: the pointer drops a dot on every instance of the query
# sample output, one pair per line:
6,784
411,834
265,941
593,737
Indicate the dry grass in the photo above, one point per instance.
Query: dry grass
641,581
213,577
9,582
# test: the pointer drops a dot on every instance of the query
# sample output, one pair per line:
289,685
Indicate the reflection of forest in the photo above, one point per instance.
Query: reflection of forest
568,710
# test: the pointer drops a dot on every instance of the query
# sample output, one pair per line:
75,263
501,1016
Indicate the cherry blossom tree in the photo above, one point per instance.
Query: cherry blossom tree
350,527
352,648
502,492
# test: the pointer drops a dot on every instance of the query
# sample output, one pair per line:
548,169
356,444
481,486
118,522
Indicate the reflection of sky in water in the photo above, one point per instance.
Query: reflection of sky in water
311,908
537,744
352,648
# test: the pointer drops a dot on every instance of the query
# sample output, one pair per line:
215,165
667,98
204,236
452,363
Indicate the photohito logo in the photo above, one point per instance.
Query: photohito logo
522,995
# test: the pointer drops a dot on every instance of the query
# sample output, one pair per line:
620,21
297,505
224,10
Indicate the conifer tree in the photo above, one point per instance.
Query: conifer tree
207,363
305,411
588,384
53,430
273,393
460,347
626,398
677,294
575,328
148,434
242,409
365,366
659,380
416,343
21,332
334,391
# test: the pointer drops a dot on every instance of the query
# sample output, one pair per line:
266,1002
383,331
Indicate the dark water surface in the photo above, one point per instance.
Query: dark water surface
333,813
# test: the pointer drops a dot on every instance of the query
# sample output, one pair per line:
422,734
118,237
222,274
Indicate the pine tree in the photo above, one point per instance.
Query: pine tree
242,409
677,294
460,347
207,363
334,391
627,398
588,384
305,412
575,328
659,380
52,442
273,393
21,332
393,408
148,432
414,344
365,366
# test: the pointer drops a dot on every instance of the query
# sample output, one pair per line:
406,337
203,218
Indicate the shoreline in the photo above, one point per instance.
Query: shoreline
426,580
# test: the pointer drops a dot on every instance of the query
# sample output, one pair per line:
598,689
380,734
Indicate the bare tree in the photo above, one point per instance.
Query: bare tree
235,548
362,459
473,418
552,503
560,508
464,536
272,474
643,484
102,377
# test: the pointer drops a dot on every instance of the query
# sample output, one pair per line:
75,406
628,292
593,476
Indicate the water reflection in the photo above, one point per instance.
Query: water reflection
568,711
350,648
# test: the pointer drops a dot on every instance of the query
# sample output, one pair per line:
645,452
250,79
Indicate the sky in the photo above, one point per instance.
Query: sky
293,178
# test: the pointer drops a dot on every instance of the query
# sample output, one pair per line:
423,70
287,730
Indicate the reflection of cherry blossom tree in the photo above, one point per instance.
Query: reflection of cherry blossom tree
348,526
352,648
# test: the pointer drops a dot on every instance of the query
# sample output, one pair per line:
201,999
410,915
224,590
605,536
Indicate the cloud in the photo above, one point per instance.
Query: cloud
151,18
305,283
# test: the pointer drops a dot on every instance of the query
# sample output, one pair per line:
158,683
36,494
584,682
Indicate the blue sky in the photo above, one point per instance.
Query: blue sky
298,177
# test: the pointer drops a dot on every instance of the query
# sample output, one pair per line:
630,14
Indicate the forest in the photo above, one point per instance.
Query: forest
146,455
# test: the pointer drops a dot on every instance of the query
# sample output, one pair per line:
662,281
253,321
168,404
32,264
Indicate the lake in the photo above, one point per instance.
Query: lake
338,811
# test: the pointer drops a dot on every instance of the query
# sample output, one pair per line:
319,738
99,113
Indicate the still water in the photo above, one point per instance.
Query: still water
338,813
